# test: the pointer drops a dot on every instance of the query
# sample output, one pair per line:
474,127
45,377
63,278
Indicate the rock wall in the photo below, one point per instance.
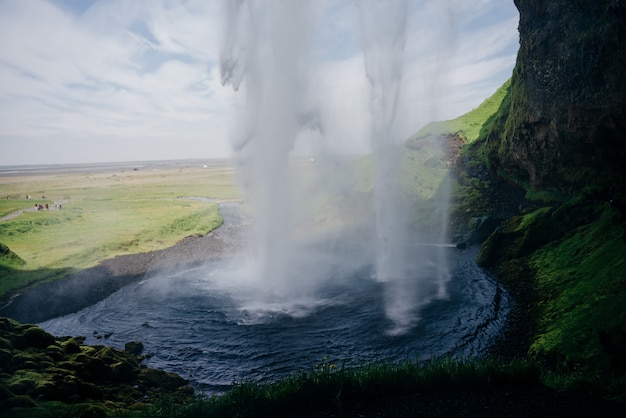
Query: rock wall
564,125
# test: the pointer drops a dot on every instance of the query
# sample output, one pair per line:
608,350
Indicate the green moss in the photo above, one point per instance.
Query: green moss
496,139
35,376
582,285
35,337
572,257
23,382
518,110
71,346
5,343
162,379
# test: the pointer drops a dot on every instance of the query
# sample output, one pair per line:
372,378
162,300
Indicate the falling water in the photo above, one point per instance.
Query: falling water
267,52
383,26
268,44
340,295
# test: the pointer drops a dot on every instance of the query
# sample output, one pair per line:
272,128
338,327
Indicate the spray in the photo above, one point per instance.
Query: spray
268,45
267,53
413,275
383,33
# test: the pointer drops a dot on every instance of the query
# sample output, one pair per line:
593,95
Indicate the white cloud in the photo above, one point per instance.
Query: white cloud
127,80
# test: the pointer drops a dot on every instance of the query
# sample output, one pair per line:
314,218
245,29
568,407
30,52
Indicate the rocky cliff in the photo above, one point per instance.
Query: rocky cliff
560,133
563,126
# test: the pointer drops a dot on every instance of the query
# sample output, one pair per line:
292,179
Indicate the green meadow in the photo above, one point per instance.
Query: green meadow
104,213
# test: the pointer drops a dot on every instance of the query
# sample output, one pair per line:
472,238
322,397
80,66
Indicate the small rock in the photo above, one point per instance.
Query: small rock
134,347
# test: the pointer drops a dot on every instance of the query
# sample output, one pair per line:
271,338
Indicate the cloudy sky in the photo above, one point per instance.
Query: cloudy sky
125,80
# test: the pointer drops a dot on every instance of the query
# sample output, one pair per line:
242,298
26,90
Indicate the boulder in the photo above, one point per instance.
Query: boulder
134,347
36,367
35,337
477,231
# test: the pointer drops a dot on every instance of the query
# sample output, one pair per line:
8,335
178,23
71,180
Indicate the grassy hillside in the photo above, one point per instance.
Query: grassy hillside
468,125
430,156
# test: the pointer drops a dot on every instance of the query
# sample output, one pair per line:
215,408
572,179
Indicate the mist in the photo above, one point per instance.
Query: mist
331,254
312,219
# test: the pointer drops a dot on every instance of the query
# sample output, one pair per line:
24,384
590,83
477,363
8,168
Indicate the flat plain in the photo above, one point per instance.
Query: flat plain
95,212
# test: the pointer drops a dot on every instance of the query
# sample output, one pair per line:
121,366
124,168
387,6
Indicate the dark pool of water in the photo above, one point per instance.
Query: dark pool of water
209,327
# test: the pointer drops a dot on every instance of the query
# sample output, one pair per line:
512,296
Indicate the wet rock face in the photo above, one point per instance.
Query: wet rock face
566,124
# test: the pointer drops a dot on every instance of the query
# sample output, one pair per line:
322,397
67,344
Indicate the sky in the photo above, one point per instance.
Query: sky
84,81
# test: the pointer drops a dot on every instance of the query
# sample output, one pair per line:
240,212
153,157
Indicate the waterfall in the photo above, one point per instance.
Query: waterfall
267,52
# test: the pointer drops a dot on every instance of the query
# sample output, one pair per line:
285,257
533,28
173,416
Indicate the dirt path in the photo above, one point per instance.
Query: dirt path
13,215
17,213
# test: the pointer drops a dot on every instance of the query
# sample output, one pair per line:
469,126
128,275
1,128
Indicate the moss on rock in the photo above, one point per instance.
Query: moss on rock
40,372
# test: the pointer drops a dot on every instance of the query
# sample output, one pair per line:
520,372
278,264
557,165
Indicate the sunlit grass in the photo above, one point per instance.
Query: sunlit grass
106,213
468,125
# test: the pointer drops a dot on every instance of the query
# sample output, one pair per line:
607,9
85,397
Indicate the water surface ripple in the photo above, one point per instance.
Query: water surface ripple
213,332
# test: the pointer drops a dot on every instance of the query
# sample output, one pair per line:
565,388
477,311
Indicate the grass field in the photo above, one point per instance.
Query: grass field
105,212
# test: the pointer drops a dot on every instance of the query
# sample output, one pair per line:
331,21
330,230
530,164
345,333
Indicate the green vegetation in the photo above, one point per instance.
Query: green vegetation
566,257
41,375
571,258
423,184
44,376
326,387
513,110
430,148
581,282
441,146
469,125
8,259
103,214
329,386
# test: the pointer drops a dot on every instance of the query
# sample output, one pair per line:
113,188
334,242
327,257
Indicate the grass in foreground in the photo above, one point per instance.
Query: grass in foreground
329,386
